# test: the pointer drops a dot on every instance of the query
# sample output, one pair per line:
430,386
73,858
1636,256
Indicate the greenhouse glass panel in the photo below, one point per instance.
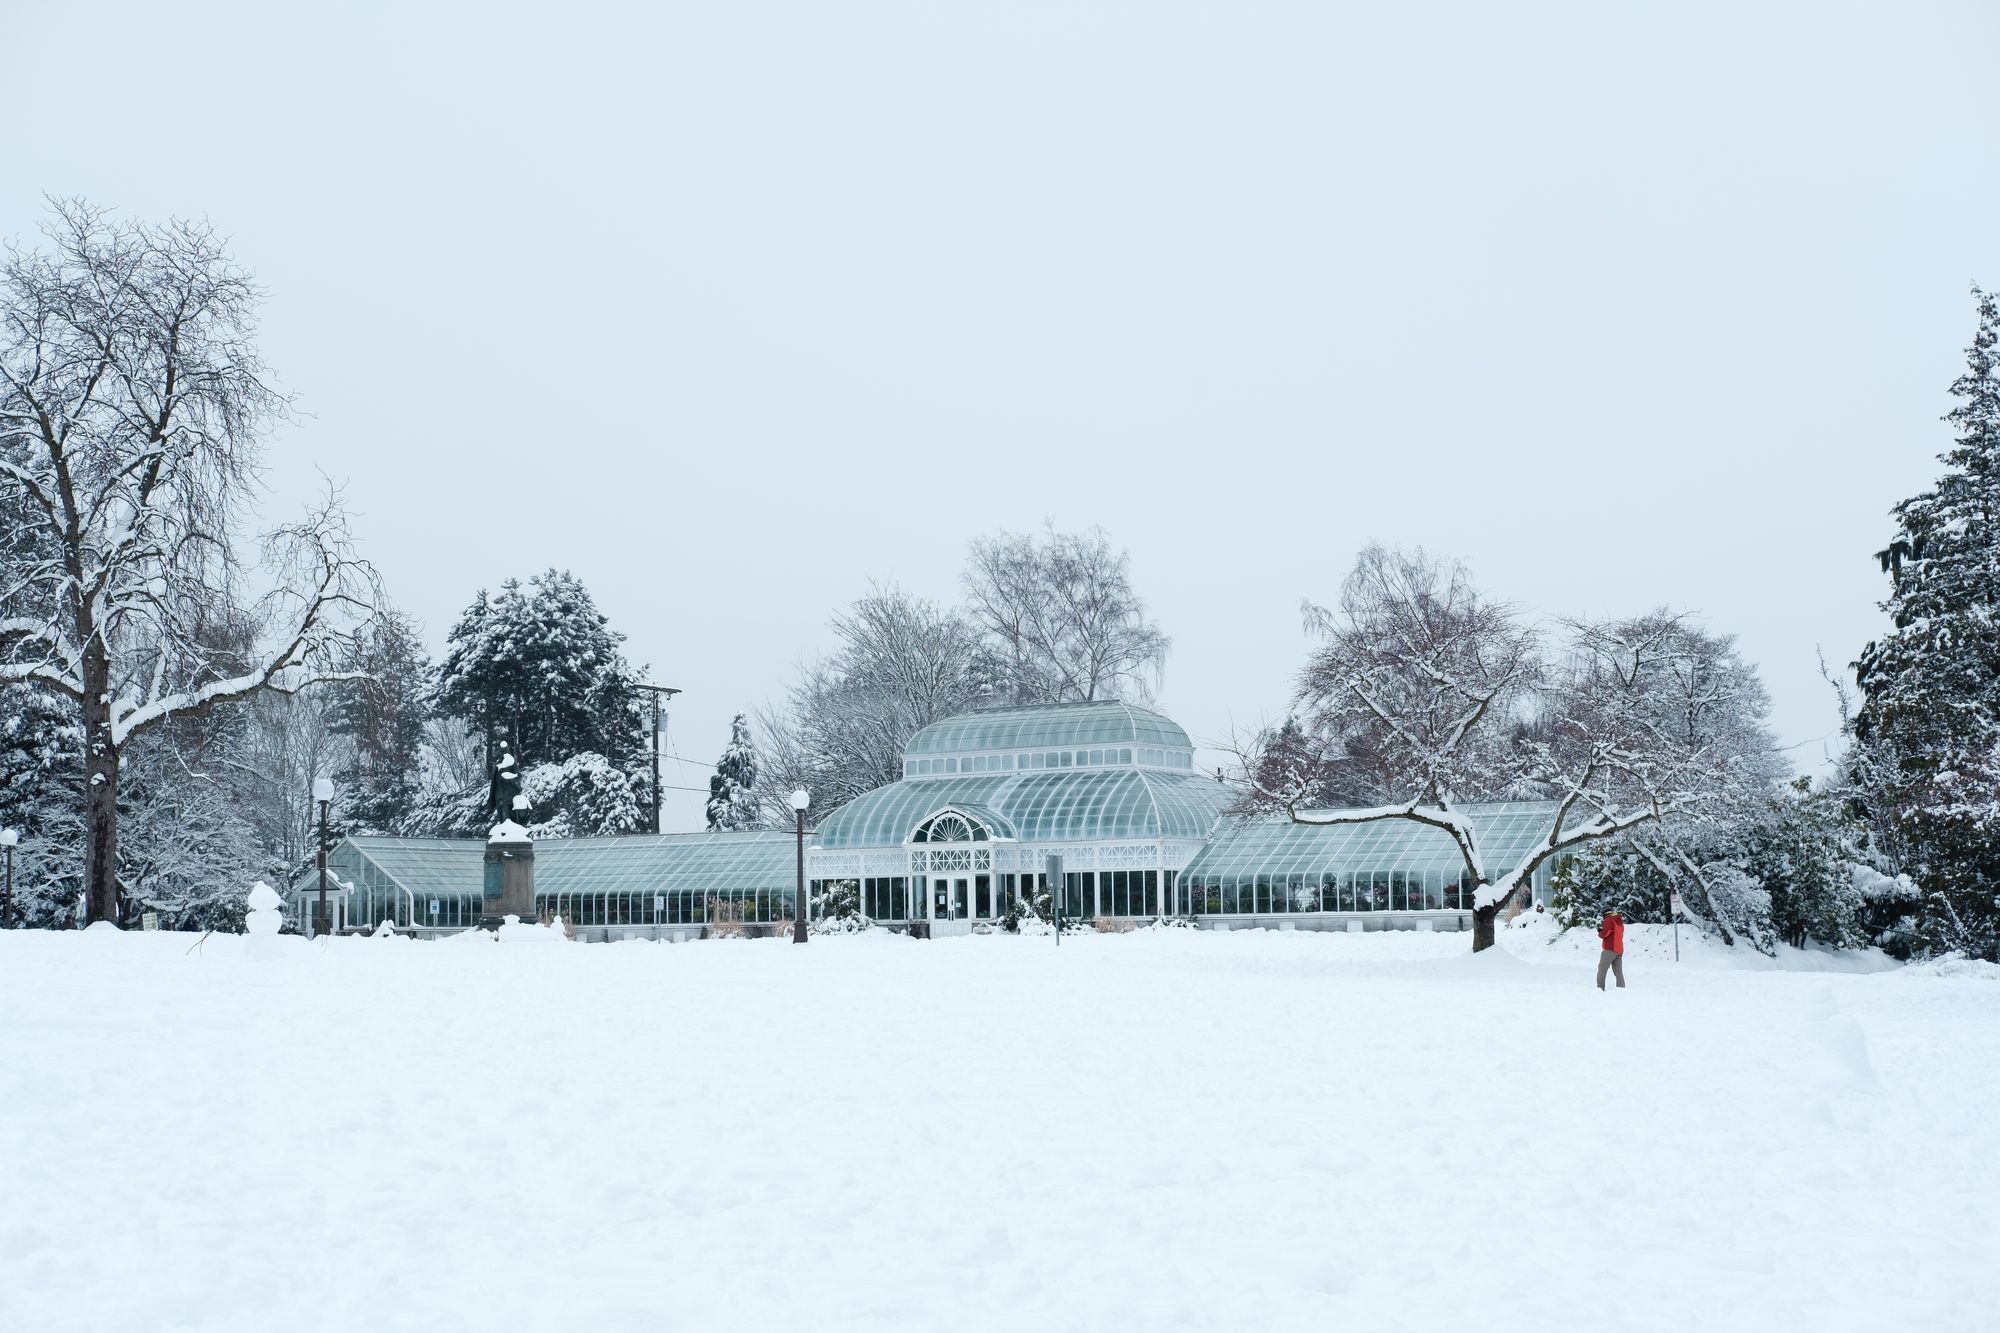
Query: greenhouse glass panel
1415,854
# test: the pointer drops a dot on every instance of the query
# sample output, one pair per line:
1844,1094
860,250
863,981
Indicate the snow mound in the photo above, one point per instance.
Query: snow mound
515,931
1836,1048
1956,966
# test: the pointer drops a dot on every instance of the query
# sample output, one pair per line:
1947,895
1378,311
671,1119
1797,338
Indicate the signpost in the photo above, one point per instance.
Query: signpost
1674,911
434,913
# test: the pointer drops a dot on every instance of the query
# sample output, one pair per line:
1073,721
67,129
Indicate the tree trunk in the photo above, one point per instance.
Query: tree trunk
1482,926
1483,919
100,802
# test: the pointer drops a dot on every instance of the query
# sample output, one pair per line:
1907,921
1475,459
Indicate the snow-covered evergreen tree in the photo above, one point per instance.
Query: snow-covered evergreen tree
584,796
384,716
1804,854
41,797
732,795
1928,730
539,669
540,665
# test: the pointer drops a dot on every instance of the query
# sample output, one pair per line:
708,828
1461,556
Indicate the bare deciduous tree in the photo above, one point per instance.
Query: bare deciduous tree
132,411
903,663
1448,700
1061,618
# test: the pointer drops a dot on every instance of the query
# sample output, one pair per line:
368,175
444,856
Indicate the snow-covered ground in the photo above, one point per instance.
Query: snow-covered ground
1165,1129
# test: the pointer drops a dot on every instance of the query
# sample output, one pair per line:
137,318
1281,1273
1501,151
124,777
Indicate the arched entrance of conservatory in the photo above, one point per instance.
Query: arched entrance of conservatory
951,855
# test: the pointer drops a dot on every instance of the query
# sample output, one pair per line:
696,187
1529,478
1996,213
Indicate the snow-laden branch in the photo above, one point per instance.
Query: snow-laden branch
1425,699
1452,822
304,654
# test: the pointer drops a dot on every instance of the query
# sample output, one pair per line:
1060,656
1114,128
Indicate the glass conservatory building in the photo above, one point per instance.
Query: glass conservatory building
1103,794
1275,867
988,797
669,886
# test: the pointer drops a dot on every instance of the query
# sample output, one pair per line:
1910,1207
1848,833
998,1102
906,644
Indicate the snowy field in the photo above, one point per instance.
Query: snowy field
1151,1131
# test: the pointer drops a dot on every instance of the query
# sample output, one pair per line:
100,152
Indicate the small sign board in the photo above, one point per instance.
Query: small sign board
149,921
1675,902
434,907
659,903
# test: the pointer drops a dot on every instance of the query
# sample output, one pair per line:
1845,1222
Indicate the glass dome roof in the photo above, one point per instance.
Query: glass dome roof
1073,805
1032,726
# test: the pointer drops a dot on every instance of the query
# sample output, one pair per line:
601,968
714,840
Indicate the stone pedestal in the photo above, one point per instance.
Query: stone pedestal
510,876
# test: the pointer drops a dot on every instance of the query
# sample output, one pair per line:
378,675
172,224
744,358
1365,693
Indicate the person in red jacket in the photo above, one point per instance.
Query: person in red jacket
1612,960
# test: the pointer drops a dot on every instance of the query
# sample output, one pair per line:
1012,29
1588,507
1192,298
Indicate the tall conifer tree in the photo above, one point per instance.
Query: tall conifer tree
732,800
384,713
1929,722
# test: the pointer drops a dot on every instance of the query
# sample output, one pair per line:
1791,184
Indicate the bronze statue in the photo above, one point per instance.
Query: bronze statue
505,791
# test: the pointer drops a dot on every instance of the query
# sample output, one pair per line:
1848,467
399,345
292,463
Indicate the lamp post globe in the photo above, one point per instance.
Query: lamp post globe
800,800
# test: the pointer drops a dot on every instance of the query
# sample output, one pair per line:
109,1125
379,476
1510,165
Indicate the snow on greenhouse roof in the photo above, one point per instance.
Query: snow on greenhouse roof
720,862
1033,726
429,867
1274,844
1069,805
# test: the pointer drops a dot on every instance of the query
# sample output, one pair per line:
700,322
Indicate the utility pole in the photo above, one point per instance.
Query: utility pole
658,692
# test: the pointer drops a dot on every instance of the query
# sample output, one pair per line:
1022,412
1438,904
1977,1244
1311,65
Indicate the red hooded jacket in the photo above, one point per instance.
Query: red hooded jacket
1612,932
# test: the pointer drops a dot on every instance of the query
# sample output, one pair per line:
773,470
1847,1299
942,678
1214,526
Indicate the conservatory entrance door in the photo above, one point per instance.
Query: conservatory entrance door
949,898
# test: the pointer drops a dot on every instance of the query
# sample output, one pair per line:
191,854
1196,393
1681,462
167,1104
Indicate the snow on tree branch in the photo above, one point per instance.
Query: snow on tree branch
1423,697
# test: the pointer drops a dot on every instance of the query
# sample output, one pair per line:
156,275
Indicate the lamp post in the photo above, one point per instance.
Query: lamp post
9,839
323,793
800,800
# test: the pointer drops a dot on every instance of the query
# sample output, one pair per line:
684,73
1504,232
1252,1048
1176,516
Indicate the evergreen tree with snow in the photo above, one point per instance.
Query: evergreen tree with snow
384,715
1928,730
41,799
1804,854
539,669
540,664
732,801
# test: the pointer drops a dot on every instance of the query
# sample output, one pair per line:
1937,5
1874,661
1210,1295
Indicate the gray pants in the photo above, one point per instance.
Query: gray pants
1613,963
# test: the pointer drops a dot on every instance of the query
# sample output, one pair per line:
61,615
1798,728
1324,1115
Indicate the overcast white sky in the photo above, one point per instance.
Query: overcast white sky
734,307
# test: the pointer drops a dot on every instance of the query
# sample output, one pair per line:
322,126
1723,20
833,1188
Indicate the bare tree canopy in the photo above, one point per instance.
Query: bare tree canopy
1430,696
903,663
132,412
1049,618
1061,618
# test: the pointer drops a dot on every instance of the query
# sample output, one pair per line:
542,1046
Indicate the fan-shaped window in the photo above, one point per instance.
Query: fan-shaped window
951,827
